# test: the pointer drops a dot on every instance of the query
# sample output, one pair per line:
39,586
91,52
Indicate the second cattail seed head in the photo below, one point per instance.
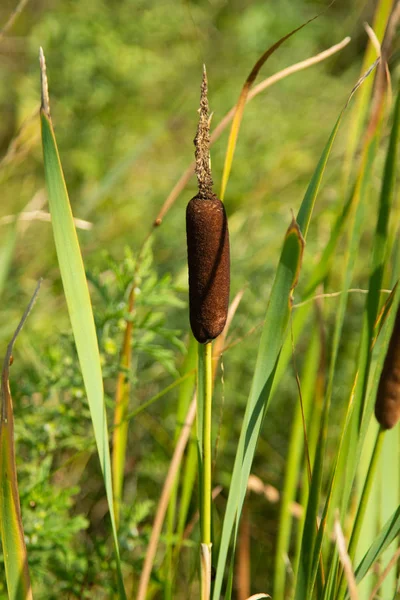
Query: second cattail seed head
387,405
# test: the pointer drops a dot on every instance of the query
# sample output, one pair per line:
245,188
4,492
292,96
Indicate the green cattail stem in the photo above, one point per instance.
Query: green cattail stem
205,405
206,449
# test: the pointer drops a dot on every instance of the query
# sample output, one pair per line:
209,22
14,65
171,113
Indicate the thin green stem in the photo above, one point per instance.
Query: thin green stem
207,454
362,507
204,407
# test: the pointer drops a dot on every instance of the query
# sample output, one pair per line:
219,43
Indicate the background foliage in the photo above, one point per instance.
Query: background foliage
124,83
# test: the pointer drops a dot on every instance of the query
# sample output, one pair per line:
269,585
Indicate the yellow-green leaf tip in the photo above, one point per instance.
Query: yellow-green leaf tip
45,105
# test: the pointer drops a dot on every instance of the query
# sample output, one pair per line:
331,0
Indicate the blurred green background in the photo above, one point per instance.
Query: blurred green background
124,83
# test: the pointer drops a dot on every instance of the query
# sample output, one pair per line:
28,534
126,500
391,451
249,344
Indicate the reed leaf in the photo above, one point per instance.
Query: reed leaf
11,528
78,300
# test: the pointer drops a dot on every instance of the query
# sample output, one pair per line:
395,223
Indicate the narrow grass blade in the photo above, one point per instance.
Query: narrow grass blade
389,533
78,300
306,208
276,321
360,109
11,528
237,119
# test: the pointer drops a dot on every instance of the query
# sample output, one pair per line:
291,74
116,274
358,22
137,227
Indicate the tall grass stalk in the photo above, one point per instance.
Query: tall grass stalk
205,402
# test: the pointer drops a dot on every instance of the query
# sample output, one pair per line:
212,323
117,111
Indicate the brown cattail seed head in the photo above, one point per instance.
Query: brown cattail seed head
387,405
208,261
207,242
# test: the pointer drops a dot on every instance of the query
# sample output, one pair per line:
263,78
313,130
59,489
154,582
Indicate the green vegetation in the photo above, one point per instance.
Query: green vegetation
103,382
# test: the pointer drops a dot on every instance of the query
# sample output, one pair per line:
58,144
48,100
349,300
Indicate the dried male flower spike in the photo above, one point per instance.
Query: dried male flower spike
207,242
387,405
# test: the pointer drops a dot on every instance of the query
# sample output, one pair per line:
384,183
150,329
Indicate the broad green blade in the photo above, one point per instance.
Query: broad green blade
78,301
11,529
276,321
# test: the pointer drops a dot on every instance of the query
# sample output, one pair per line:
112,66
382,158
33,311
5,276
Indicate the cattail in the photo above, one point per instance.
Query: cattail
387,406
207,242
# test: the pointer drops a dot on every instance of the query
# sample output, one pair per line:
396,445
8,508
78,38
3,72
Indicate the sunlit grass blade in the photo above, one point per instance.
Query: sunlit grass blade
306,208
237,119
361,106
11,528
383,540
78,300
276,321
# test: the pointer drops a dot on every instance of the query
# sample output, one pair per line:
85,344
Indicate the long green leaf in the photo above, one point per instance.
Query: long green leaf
78,299
11,529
